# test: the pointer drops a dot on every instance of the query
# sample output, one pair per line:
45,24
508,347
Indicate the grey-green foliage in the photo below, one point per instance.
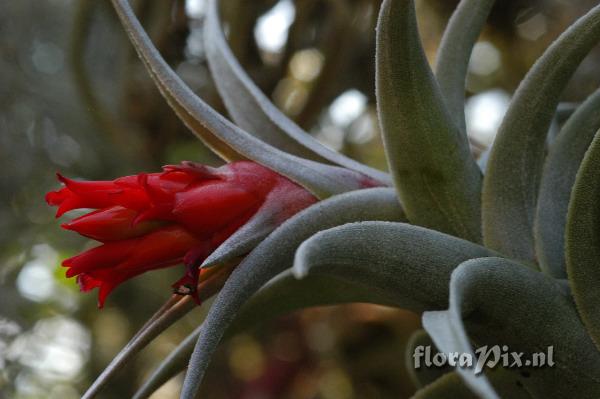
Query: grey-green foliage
253,111
426,254
497,301
226,139
514,169
583,240
274,255
453,57
560,171
434,172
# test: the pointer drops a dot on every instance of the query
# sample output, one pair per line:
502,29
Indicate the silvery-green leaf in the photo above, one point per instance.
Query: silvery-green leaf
495,301
435,252
515,166
255,113
563,113
220,134
582,240
170,366
422,376
565,110
448,334
404,264
163,319
435,174
274,255
281,295
407,263
452,61
560,170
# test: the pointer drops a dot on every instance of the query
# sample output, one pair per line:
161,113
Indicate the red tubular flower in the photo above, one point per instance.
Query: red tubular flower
156,220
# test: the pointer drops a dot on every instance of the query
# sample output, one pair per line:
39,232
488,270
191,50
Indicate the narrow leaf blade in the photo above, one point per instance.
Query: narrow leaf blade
583,240
514,168
274,255
255,113
495,301
435,174
454,53
560,170
408,263
223,136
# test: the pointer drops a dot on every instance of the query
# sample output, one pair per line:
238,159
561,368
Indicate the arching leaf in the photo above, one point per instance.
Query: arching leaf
494,301
435,174
374,255
222,136
274,255
514,168
559,174
254,112
582,240
454,54
281,295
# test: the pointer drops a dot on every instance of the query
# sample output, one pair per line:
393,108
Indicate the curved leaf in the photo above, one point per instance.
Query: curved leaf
409,264
435,174
454,54
173,364
515,165
582,240
146,335
438,253
559,174
281,295
173,310
222,136
274,255
254,112
499,302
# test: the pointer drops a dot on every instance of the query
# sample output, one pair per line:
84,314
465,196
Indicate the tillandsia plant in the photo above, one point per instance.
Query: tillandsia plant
507,257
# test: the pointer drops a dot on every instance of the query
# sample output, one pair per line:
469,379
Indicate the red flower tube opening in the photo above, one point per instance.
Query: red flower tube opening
156,220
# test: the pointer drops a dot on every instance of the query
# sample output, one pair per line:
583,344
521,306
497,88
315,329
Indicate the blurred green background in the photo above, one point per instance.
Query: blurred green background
74,98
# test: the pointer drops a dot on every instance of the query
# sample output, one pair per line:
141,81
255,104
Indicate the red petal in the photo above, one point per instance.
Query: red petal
112,263
97,194
161,248
111,224
104,256
206,209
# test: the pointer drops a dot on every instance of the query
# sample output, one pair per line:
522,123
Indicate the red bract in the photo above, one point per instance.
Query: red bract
156,220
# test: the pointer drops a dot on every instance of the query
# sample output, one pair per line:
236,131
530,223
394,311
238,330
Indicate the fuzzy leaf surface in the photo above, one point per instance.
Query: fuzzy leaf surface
222,136
454,54
255,113
494,301
274,255
560,170
514,169
583,240
434,172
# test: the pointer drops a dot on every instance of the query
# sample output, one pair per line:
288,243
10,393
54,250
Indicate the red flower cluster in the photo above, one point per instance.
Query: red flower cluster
156,220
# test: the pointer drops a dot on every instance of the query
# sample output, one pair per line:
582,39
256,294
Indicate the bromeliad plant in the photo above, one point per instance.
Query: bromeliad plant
507,257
